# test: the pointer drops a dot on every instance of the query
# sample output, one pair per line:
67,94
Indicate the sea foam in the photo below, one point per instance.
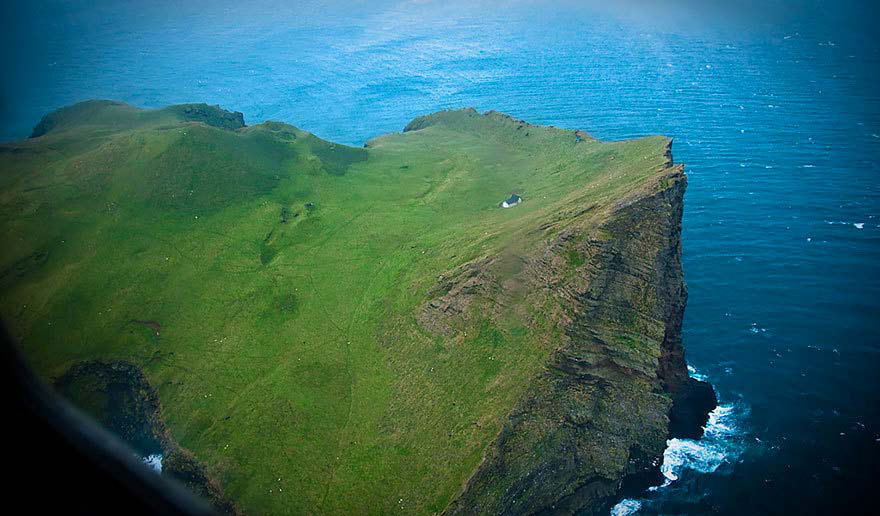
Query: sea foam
626,507
722,443
154,461
694,374
718,446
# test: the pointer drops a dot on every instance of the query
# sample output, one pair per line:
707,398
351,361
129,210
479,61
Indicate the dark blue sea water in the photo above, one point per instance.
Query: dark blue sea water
775,111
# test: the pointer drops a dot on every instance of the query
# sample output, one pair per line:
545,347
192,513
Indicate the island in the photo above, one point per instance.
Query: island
475,315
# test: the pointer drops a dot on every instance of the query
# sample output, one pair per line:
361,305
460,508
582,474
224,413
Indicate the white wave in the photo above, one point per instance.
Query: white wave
859,225
154,461
706,454
692,372
626,507
722,443
754,328
718,446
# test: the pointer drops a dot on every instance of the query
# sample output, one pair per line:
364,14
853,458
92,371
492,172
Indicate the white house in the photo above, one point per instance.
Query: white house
513,200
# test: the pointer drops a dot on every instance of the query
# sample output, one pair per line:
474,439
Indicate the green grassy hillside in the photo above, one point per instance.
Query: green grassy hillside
272,286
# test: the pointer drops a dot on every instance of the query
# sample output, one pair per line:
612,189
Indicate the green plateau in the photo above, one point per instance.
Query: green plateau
339,330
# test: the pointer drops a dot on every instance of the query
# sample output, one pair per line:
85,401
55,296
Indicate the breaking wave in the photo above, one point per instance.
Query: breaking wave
626,507
694,374
154,461
722,444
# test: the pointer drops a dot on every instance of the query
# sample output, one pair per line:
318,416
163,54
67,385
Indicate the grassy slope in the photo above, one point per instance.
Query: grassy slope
289,358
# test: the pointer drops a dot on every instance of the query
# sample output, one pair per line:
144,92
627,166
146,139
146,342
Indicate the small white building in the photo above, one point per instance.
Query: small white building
513,200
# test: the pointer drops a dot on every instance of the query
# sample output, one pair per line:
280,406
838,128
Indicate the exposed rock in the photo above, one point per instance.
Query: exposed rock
690,409
210,115
452,296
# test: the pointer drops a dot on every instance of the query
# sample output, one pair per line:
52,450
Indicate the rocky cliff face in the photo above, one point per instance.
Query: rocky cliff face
117,395
597,418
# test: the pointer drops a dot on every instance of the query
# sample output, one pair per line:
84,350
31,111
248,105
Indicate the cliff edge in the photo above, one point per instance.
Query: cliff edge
596,419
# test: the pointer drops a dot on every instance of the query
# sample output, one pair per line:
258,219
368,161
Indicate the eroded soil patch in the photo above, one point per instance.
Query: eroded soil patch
153,325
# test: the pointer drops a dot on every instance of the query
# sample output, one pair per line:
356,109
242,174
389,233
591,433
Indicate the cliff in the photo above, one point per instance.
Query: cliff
319,328
597,417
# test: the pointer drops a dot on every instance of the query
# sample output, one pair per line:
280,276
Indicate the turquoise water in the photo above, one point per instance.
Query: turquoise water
775,112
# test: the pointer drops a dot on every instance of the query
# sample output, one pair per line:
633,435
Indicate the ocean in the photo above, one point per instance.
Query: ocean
774,109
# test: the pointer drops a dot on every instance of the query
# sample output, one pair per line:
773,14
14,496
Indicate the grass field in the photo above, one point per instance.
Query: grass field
282,276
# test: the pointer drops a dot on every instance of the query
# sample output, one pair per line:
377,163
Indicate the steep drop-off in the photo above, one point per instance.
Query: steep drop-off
329,329
598,415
